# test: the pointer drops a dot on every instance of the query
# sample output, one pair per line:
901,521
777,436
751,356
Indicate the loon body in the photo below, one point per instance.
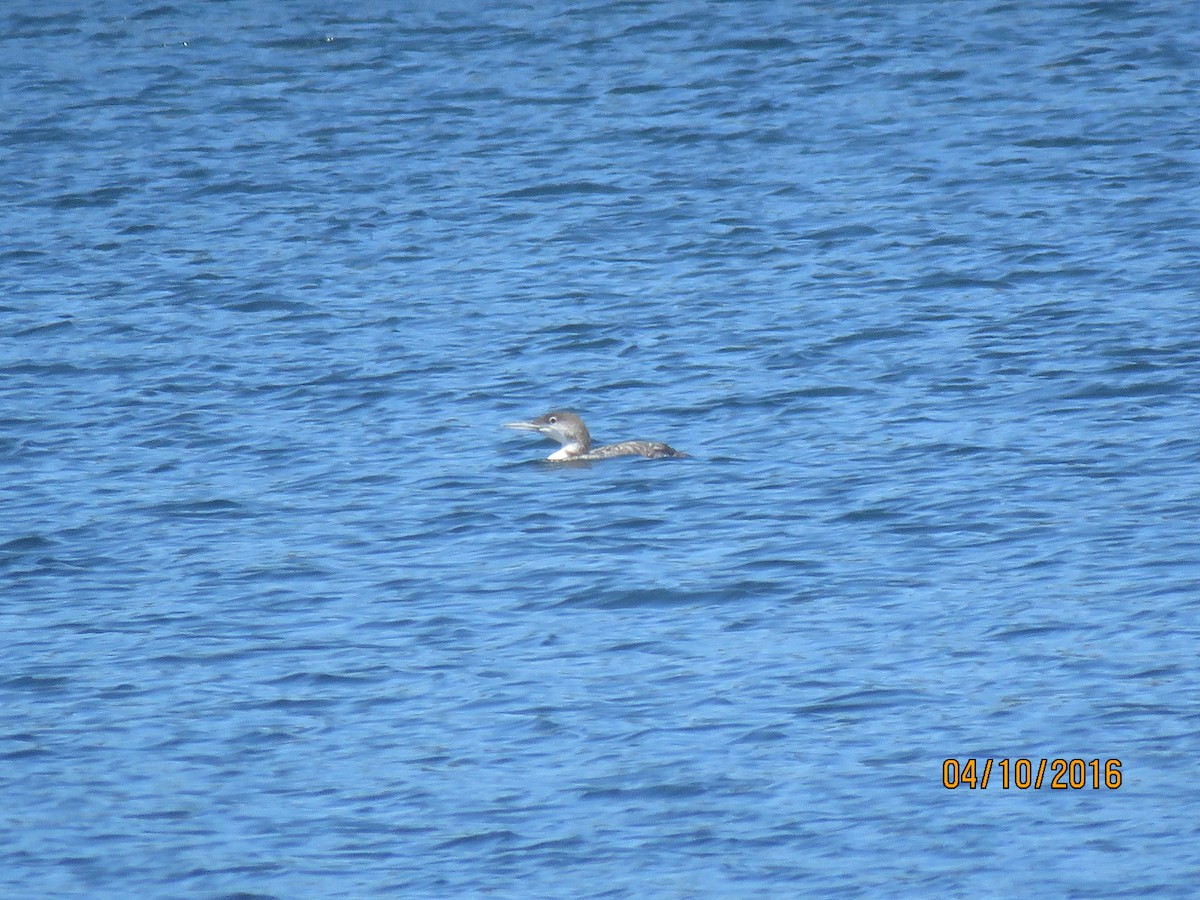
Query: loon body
568,429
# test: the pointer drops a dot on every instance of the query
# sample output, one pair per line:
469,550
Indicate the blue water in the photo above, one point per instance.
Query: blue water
286,613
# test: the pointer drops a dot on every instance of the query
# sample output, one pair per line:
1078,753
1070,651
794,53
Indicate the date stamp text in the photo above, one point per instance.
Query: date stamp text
1023,774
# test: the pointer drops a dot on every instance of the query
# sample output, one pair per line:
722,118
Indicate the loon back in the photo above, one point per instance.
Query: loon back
568,429
648,449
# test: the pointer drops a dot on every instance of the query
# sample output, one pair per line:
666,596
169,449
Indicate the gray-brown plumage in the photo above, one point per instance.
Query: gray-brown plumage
568,429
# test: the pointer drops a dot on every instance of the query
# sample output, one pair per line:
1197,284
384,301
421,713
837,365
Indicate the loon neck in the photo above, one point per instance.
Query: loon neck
572,450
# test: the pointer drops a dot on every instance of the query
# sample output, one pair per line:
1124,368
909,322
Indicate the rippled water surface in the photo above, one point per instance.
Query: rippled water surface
285,612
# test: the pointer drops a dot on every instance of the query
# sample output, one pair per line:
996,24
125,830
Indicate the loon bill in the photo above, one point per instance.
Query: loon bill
568,429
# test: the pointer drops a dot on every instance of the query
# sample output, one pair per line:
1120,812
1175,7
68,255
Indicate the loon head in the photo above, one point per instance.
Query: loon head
562,426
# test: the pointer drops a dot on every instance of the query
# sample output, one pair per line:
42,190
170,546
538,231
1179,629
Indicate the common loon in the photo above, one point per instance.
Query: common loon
568,429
